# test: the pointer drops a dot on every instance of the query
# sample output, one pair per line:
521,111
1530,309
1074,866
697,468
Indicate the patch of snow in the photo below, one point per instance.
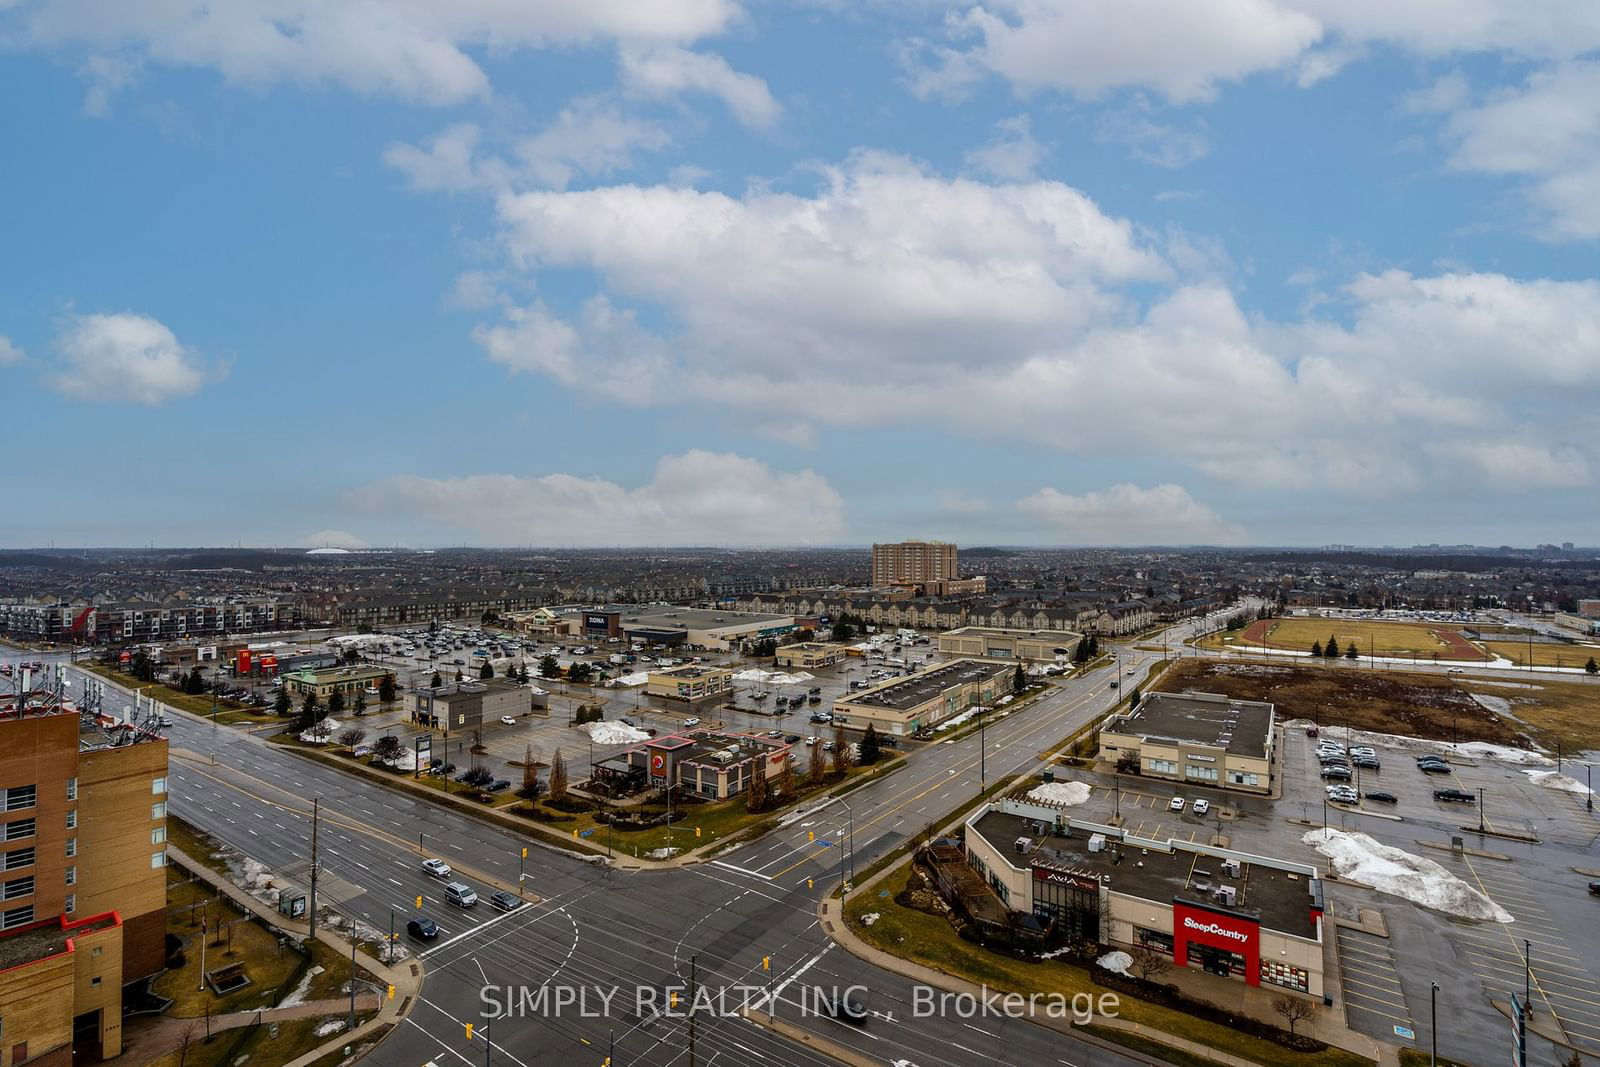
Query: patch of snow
298,994
1061,794
614,733
662,853
756,674
630,680
329,1028
959,719
1053,953
1557,780
1365,861
1473,749
321,732
1496,704
869,918
1115,962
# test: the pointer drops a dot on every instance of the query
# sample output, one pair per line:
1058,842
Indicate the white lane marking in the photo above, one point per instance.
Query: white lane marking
741,870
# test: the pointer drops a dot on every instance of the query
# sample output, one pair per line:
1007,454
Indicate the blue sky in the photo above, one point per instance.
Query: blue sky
1038,271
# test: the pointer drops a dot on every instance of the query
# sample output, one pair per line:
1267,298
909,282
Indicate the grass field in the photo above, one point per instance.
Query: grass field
1413,703
931,940
228,711
1544,654
1371,637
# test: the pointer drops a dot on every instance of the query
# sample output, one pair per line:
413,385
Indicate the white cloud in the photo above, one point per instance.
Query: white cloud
1547,131
125,357
1128,515
960,502
1184,50
1012,155
10,353
891,295
698,498
1444,94
668,71
1154,142
333,539
414,49
449,163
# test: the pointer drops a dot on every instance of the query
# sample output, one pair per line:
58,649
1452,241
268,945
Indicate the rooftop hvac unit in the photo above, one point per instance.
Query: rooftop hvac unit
1232,868
1202,887
1021,844
1227,894
1097,843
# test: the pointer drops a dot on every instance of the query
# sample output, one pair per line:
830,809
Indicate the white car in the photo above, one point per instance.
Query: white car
508,720
437,868
691,721
1176,804
1202,806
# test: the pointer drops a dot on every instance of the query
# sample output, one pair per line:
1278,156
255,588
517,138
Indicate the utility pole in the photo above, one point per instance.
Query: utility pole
205,924
352,1027
389,953
311,918
1433,1025
692,992
983,752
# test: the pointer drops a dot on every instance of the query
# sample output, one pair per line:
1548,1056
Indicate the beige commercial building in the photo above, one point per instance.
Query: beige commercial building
903,706
1197,738
1240,917
984,642
809,655
689,682
712,765
913,561
329,680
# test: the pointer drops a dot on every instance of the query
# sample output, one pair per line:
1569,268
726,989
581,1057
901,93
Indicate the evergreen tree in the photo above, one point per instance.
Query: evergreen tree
1592,667
870,750
386,691
549,668
486,671
308,713
1351,652
1331,649
1316,649
436,681
336,703
843,631
1019,679
1081,653
360,707
280,703
194,684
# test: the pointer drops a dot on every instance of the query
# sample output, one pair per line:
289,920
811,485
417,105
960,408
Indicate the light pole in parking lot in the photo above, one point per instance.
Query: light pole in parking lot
1433,1023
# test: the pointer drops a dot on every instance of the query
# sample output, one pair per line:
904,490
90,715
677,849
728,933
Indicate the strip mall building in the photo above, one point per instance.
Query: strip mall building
1241,917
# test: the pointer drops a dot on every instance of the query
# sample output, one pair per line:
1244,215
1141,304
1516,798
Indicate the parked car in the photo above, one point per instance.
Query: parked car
1202,806
1440,767
508,720
503,901
1336,774
499,785
1382,797
1175,804
792,739
1458,796
1342,794
827,746
422,929
691,721
436,867
460,894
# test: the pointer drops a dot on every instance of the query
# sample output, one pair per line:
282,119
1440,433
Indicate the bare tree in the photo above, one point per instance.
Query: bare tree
816,764
352,737
755,797
1293,1009
1149,964
186,1038
558,776
387,748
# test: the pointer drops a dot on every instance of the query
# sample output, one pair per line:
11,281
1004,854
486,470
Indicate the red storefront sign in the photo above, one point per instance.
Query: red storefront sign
1229,931
243,662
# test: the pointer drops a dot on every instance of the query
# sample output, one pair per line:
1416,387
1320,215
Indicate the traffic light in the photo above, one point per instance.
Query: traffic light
524,851
469,1031
391,990
419,901
811,835
673,1001
766,965
697,831
810,884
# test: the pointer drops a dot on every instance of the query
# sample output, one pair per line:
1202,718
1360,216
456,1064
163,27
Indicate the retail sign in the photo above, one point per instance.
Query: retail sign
1076,879
658,763
1196,924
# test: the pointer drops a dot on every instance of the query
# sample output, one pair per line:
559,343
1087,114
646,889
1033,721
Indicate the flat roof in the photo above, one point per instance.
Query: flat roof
40,942
673,617
689,670
323,674
905,693
1240,727
1055,636
1280,900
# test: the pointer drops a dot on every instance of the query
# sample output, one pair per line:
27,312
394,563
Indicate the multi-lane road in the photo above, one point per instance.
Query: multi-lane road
598,929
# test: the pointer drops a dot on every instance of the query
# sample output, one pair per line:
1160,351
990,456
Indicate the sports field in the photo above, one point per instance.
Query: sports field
1375,638
1545,654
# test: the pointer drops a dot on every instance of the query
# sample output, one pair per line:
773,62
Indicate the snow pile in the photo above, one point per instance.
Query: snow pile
629,681
756,674
320,732
1061,794
405,760
329,1028
1472,749
1497,704
298,994
1503,753
959,719
1115,962
869,918
614,733
1362,860
662,853
1557,780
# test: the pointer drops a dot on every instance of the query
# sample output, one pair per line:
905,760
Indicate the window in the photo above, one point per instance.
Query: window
72,906
1199,774
72,847
1243,778
158,835
72,789
17,830
16,917
158,810
72,875
94,981
72,819
16,858
158,785
17,887
158,859
21,796
1161,766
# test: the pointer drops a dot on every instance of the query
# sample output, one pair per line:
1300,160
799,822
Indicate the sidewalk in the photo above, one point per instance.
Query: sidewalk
406,975
149,1043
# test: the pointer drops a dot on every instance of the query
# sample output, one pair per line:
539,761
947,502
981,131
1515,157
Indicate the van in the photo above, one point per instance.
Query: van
460,894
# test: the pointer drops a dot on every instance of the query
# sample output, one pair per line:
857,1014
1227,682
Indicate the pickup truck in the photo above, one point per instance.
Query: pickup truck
1460,796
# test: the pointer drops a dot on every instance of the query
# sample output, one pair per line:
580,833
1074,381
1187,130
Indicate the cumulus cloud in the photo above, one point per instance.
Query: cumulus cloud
1125,514
10,353
669,70
414,49
1185,51
697,498
1146,138
333,539
1012,155
893,295
125,357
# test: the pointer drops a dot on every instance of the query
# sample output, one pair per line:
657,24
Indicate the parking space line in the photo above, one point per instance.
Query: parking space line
1368,985
1403,1019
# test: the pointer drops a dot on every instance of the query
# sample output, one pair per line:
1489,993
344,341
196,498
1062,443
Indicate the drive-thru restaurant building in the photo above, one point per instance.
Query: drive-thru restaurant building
1240,917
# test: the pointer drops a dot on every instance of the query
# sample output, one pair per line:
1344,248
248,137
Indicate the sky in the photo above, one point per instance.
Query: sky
751,272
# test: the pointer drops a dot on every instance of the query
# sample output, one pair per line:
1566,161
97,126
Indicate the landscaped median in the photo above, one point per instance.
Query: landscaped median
578,824
228,711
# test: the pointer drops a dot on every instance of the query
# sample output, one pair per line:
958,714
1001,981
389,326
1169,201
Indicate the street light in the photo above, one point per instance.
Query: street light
1433,1023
